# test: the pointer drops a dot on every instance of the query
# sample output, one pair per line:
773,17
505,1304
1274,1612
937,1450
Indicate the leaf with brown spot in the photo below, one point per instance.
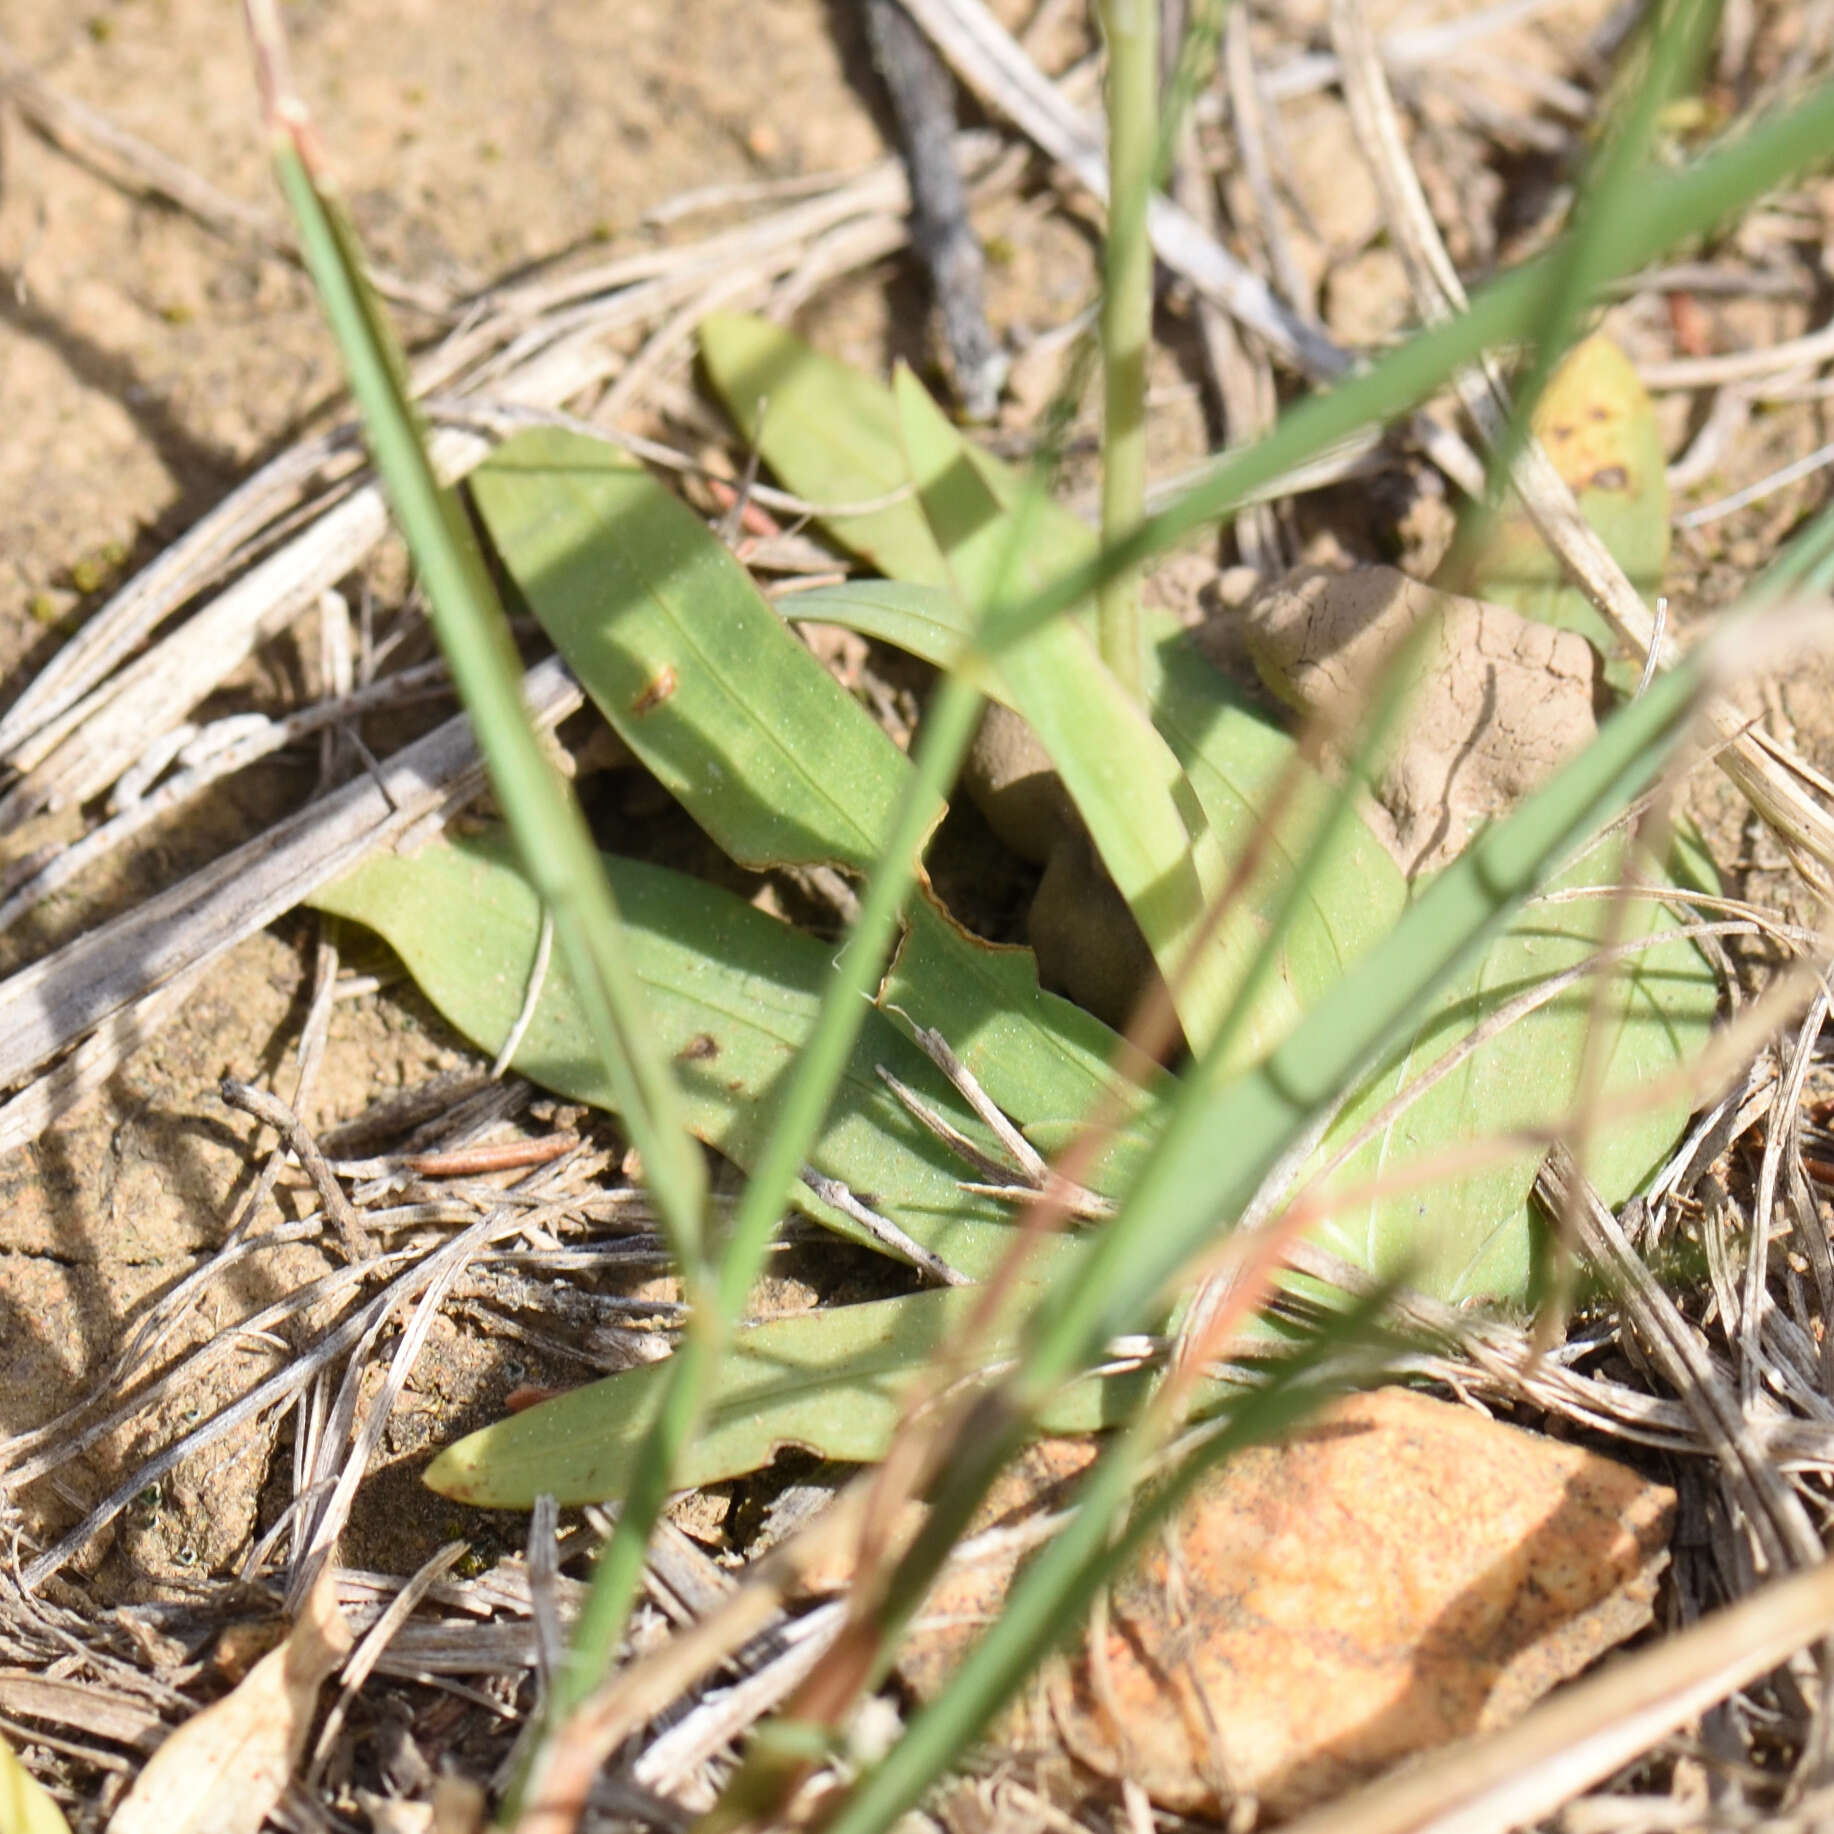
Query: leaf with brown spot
1599,427
656,690
697,674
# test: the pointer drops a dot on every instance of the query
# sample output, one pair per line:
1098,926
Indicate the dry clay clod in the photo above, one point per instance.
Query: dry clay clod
1086,940
1498,701
1397,1573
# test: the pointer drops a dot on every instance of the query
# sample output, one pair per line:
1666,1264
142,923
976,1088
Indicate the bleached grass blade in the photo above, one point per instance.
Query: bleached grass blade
1520,1777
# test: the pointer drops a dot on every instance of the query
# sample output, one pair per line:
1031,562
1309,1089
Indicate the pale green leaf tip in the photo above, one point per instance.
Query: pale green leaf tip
25,1806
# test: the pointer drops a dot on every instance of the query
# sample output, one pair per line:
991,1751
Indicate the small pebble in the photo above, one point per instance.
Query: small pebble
1235,586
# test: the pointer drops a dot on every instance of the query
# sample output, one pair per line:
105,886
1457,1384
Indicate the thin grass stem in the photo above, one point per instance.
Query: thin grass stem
1671,208
1132,31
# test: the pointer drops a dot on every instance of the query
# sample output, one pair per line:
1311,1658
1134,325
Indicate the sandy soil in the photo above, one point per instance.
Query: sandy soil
147,364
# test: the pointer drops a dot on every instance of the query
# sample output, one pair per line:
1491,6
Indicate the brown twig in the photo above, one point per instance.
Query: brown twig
275,1113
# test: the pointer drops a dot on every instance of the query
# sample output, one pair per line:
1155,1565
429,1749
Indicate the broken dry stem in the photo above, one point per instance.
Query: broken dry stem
272,1110
1520,1776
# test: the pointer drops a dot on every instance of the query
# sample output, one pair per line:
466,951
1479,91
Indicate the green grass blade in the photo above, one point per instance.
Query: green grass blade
1131,28
797,1119
1051,1597
799,1113
804,1099
943,743
550,831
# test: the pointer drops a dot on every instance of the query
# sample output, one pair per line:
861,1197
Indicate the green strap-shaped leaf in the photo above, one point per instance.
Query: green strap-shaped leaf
1141,814
831,1381
672,640
1045,1062
834,1382
732,995
1472,1226
475,637
716,695
831,433
1241,769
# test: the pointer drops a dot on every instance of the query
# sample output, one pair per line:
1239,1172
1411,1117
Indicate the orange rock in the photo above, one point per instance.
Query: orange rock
1398,1573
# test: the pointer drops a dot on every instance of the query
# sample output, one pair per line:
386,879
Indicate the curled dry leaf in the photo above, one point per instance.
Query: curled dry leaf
1497,701
1396,1574
222,1772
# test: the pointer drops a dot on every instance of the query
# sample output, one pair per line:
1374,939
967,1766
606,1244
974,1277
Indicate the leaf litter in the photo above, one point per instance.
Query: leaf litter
1768,1313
